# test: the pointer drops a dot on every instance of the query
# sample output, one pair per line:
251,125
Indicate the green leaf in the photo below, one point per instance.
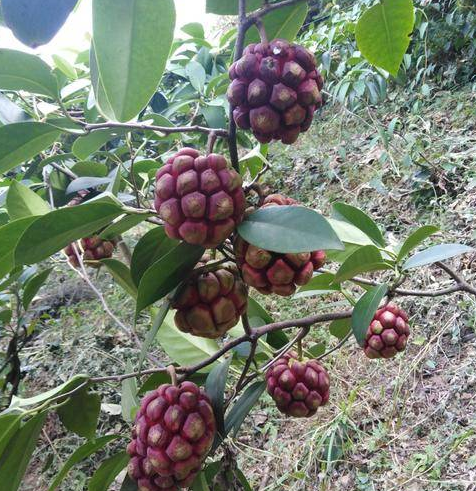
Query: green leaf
9,425
383,33
243,406
340,328
200,483
17,455
166,273
67,386
79,455
10,112
85,146
33,285
196,74
364,259
230,7
23,202
80,414
360,220
130,55
107,472
65,66
22,71
151,247
128,484
20,142
283,23
86,183
88,168
129,401
364,311
102,102
9,236
349,233
435,254
276,339
35,22
317,349
215,388
121,274
194,29
122,225
319,285
185,349
415,239
55,230
154,381
156,325
289,229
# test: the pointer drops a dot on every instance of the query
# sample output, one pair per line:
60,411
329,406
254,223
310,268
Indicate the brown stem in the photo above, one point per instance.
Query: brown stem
212,138
262,31
246,324
173,374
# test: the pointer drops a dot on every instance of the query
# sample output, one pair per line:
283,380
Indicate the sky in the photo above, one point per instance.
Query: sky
74,33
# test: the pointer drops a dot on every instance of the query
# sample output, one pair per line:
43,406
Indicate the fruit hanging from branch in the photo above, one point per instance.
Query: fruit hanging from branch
388,332
173,433
298,387
91,250
200,198
272,272
275,90
211,302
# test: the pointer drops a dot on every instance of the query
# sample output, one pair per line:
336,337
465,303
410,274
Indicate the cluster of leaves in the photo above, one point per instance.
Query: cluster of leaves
104,123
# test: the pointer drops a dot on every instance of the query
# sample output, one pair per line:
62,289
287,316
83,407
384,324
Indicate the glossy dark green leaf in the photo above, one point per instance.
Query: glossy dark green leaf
122,225
215,388
156,325
154,381
52,232
17,455
79,455
107,472
340,328
23,202
319,285
364,259
9,425
349,233
10,112
20,142
283,23
151,247
167,273
128,484
9,236
22,71
85,146
33,285
35,22
200,483
121,274
359,219
80,414
185,349
383,33
317,349
243,406
436,253
276,339
415,239
130,55
230,7
129,401
292,229
364,311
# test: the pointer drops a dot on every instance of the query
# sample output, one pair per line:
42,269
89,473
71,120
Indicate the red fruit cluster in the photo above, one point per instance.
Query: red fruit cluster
174,430
211,303
272,272
91,249
388,332
299,388
200,198
275,90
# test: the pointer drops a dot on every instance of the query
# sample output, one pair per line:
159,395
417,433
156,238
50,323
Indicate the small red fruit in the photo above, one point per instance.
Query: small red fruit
90,249
174,430
388,332
299,388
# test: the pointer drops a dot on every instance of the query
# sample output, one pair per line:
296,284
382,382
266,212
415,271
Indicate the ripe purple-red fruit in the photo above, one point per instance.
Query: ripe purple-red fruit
91,249
273,272
388,332
200,199
298,388
173,432
275,90
211,303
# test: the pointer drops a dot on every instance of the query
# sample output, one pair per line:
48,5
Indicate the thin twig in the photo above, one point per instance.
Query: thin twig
212,138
